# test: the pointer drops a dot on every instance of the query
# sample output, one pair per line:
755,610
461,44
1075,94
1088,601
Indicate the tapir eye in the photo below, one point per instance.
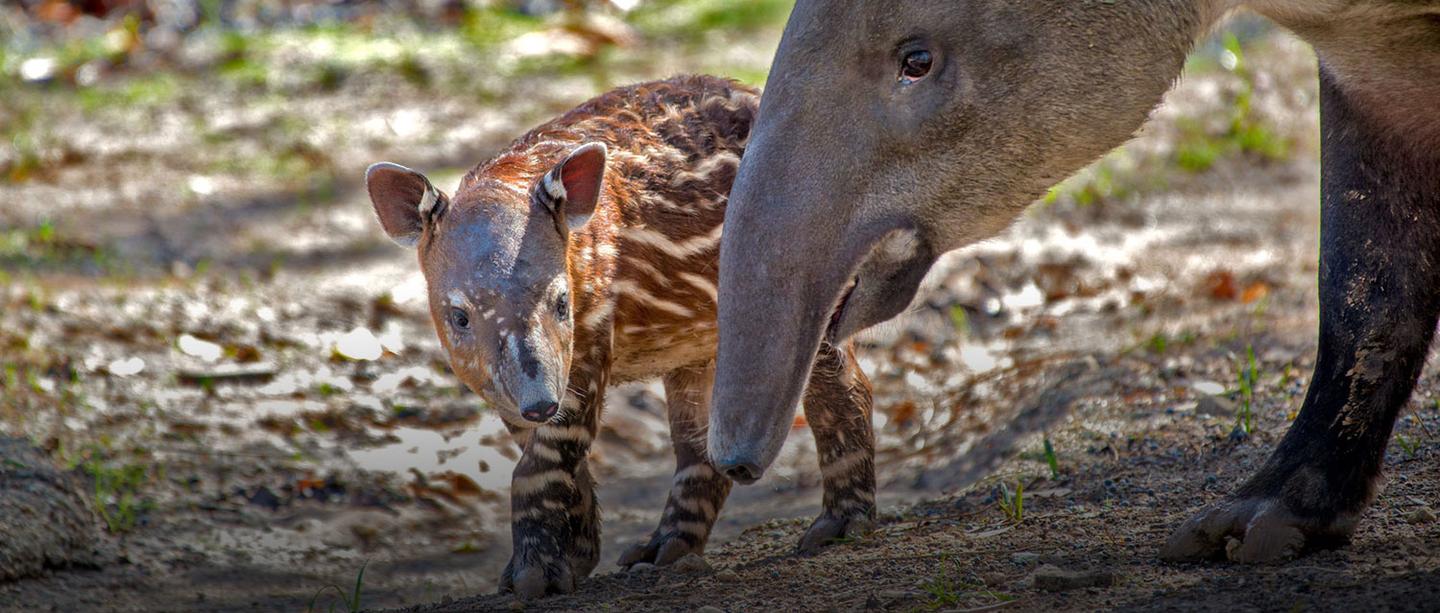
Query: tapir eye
459,318
562,306
915,65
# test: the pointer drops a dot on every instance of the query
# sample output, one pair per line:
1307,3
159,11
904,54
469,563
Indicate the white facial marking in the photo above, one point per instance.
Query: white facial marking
457,299
899,245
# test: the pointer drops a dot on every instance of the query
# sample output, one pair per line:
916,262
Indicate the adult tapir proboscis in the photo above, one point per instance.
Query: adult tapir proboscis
893,132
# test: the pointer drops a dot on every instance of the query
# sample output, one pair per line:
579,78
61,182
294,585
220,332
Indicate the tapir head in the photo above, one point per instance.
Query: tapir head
890,133
494,261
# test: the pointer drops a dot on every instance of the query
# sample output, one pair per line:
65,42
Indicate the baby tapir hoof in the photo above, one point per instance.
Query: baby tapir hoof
828,529
537,579
1257,530
660,550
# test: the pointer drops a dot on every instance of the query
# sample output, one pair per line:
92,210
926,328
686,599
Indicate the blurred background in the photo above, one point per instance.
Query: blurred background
200,317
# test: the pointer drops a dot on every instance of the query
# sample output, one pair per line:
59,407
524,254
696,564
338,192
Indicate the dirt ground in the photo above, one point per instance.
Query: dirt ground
202,321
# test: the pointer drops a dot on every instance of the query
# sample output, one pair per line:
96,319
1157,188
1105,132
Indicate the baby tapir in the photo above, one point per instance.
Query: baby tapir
584,255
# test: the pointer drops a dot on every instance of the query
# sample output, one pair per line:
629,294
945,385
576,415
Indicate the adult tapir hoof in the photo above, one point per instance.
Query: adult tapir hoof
1256,530
828,529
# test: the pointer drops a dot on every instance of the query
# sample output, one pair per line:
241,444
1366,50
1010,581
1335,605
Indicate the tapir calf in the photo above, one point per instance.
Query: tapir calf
584,255
893,132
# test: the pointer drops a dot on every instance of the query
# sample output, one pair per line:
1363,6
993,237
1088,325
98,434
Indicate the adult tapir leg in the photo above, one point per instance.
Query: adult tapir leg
1379,296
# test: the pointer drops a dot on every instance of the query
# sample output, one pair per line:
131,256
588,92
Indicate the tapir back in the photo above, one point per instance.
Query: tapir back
645,266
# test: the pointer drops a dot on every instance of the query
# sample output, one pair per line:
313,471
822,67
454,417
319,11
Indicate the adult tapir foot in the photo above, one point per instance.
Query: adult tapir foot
1284,511
832,528
534,578
1254,531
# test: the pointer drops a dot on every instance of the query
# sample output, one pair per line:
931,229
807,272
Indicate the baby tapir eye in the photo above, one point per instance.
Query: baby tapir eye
562,306
459,318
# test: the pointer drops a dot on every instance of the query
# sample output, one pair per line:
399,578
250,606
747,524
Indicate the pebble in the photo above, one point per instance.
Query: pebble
1052,578
1024,557
692,563
359,344
1422,515
642,567
1209,388
728,576
1215,406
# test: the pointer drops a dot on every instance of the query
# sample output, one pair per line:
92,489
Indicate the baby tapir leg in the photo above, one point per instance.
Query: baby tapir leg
555,520
837,405
699,490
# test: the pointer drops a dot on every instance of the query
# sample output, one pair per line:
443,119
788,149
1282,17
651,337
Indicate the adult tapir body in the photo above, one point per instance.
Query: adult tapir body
893,132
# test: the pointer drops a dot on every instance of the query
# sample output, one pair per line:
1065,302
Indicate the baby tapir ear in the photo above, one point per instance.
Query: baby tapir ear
572,189
404,200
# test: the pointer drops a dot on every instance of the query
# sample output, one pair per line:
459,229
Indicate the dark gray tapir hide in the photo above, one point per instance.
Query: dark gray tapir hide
893,132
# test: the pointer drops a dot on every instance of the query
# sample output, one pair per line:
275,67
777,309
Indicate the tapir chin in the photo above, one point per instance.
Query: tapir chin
893,132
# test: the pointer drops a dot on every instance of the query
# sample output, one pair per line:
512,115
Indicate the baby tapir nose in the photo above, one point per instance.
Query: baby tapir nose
540,411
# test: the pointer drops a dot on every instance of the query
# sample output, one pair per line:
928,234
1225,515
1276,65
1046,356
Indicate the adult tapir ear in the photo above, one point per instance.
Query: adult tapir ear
572,188
404,201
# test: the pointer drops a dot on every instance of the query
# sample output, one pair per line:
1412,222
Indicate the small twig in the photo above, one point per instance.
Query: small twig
988,607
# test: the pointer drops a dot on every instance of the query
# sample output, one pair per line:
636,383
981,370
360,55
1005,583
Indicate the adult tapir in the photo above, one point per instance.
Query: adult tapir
893,132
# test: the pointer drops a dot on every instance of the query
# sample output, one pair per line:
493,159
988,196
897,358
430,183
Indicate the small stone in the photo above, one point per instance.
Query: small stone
709,609
1209,388
642,568
203,349
1054,579
1422,515
692,563
359,344
1215,406
1024,557
728,576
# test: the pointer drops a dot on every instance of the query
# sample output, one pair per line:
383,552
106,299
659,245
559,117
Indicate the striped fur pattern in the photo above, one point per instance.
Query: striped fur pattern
638,273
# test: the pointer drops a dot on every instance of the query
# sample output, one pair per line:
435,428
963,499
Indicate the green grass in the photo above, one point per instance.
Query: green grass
960,319
947,589
691,19
1248,376
351,599
117,490
1012,503
1408,445
142,91
1051,460
1199,150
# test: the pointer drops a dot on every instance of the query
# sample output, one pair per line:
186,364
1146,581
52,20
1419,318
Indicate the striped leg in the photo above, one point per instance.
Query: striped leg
837,405
555,521
699,490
